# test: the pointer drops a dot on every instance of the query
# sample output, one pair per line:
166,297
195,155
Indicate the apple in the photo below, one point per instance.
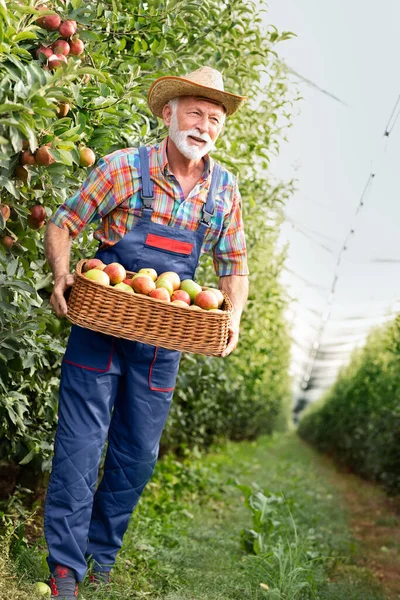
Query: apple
116,272
57,60
34,223
173,277
5,211
160,294
143,284
166,284
194,307
180,303
206,300
93,263
98,276
27,158
218,310
76,47
87,157
151,272
63,109
38,212
61,47
128,281
124,287
43,156
45,50
21,173
218,293
49,22
42,589
191,287
7,241
67,28
181,295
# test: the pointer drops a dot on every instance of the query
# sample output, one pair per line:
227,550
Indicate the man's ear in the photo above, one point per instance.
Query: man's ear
167,114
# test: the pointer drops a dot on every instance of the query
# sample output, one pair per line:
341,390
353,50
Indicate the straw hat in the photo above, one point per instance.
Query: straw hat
203,83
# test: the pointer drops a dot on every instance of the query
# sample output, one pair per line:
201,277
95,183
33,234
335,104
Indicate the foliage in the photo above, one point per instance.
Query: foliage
358,421
129,44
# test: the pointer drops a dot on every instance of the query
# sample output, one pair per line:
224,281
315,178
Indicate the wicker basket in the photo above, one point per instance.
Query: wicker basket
145,319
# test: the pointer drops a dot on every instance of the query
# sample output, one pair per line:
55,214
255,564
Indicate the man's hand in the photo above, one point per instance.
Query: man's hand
233,337
57,299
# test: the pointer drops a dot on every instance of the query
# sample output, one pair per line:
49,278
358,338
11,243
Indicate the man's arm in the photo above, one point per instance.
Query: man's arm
58,247
237,288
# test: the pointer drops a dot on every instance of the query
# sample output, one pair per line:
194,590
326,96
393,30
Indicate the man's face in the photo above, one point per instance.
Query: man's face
194,125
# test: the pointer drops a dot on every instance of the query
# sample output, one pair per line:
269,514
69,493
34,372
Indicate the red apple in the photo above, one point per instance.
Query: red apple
67,28
7,241
49,22
87,157
160,294
93,263
218,293
191,287
124,287
43,156
116,272
33,223
5,211
173,277
181,295
61,47
128,281
27,158
38,212
98,276
57,60
76,47
21,173
147,271
45,50
206,300
143,284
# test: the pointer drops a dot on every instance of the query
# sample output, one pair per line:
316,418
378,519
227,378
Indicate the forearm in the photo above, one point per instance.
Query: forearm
237,288
58,249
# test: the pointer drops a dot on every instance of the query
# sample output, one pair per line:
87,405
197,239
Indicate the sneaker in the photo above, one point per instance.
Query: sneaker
63,584
100,578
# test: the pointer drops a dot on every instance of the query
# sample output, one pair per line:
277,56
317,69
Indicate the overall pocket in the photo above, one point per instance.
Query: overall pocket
89,349
163,370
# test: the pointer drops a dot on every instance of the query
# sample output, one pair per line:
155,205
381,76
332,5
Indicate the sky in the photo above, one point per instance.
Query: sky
351,50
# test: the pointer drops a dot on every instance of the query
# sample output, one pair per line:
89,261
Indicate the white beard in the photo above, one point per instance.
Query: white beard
180,139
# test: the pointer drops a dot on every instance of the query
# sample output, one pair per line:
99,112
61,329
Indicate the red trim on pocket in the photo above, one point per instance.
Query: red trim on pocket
92,368
165,243
154,389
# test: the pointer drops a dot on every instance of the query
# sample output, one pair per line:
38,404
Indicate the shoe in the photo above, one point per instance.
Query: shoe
99,579
63,584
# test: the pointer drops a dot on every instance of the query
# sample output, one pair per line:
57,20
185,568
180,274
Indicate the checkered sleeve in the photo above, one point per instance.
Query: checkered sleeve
229,253
94,200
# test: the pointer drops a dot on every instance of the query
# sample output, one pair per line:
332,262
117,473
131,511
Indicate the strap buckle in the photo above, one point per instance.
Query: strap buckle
147,201
206,217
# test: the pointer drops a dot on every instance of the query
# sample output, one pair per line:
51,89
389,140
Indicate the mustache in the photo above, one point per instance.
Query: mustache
196,133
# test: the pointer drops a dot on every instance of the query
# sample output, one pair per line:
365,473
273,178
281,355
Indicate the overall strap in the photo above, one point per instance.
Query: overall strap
147,191
209,206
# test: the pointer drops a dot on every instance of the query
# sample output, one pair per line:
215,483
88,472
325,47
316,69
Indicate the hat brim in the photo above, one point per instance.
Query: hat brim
165,89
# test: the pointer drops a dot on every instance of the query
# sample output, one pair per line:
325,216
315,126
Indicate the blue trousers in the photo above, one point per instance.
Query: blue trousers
109,388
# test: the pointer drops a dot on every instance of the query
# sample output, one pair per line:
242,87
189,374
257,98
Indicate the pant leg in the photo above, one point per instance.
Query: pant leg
88,387
140,411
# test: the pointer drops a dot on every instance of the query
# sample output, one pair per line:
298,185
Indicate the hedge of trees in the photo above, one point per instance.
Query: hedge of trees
358,422
96,100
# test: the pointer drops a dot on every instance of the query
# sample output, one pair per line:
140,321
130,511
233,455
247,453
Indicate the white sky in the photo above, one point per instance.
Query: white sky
350,49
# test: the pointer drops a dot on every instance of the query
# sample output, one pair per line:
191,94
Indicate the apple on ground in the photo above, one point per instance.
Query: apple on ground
116,272
93,263
206,300
191,287
98,276
180,303
218,293
165,284
143,284
42,589
161,294
147,271
124,287
181,295
173,277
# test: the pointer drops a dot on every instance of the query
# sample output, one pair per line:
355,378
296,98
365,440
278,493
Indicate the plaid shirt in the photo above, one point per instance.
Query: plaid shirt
110,193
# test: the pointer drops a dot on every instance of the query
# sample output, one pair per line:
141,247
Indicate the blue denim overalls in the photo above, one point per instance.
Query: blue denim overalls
120,388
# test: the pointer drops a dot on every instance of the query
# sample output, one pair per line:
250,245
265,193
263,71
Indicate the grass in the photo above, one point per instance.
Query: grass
251,521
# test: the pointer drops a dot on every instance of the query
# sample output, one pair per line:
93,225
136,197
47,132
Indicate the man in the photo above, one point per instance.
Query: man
118,389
